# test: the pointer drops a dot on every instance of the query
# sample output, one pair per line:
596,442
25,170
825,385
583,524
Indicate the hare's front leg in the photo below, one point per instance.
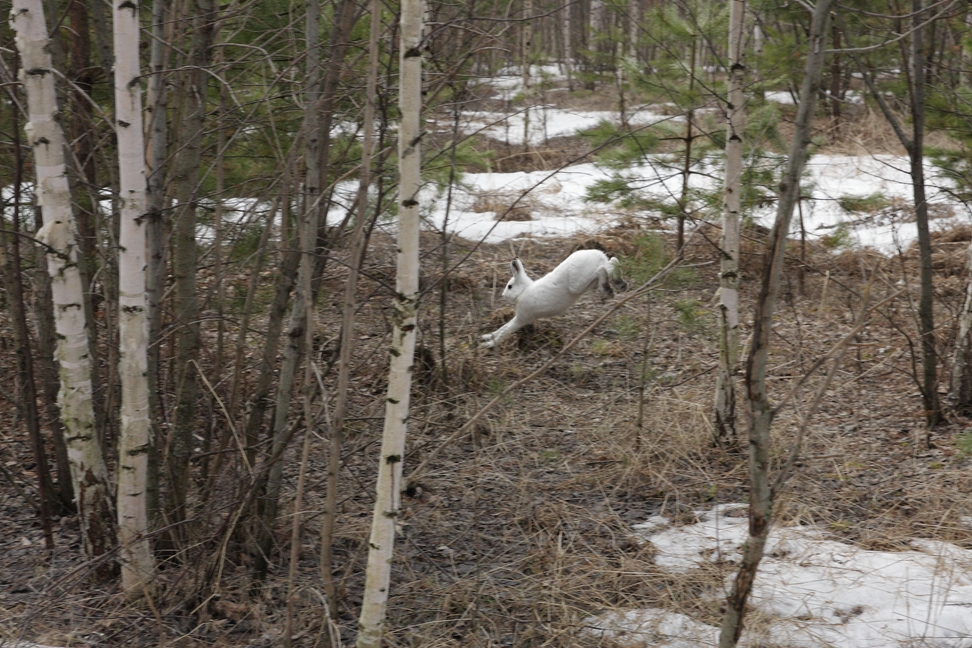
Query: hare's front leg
604,276
496,337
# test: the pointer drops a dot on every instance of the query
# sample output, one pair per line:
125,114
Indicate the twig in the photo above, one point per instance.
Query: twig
835,350
837,353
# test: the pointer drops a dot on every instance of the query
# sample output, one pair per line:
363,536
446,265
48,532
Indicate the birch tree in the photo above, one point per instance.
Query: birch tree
137,564
59,234
761,412
388,490
725,399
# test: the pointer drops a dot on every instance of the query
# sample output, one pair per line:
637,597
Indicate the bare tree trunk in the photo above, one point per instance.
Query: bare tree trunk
960,390
294,347
43,309
566,26
687,163
184,263
388,490
761,412
155,233
526,60
914,146
298,332
88,469
260,399
926,316
137,562
356,259
10,270
725,398
835,79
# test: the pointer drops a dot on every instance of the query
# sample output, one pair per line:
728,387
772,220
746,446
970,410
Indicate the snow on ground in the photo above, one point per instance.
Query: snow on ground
555,201
547,122
842,176
817,592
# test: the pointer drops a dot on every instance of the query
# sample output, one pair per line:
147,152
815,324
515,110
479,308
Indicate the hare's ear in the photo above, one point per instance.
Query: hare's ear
517,266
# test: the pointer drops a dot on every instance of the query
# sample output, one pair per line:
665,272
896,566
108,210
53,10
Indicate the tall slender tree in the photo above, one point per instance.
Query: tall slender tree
59,234
725,399
761,412
358,244
388,490
185,258
317,168
137,563
155,228
914,145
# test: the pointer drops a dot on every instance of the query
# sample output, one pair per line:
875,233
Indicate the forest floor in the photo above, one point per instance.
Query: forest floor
520,532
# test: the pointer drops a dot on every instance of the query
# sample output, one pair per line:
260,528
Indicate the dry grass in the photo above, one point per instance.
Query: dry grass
522,531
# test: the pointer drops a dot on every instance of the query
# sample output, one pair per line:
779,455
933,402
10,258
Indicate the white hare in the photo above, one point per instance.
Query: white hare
554,293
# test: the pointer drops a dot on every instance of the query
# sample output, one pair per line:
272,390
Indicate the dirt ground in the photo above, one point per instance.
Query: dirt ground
520,531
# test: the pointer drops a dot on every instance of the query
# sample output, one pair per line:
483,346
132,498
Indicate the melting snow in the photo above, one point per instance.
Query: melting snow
817,592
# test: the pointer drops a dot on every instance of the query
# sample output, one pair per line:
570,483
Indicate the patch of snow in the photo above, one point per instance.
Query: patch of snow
556,201
547,122
817,592
780,97
840,176
656,628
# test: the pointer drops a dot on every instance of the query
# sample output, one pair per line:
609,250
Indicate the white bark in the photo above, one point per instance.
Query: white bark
725,399
59,233
597,13
137,563
388,498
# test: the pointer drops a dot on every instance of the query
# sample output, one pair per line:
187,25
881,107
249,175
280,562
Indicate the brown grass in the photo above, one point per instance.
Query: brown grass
521,531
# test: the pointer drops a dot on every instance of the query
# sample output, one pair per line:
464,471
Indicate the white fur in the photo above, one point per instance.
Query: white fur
556,292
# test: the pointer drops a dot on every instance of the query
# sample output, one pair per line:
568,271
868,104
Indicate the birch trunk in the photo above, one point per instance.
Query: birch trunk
88,470
725,398
761,412
388,490
137,563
